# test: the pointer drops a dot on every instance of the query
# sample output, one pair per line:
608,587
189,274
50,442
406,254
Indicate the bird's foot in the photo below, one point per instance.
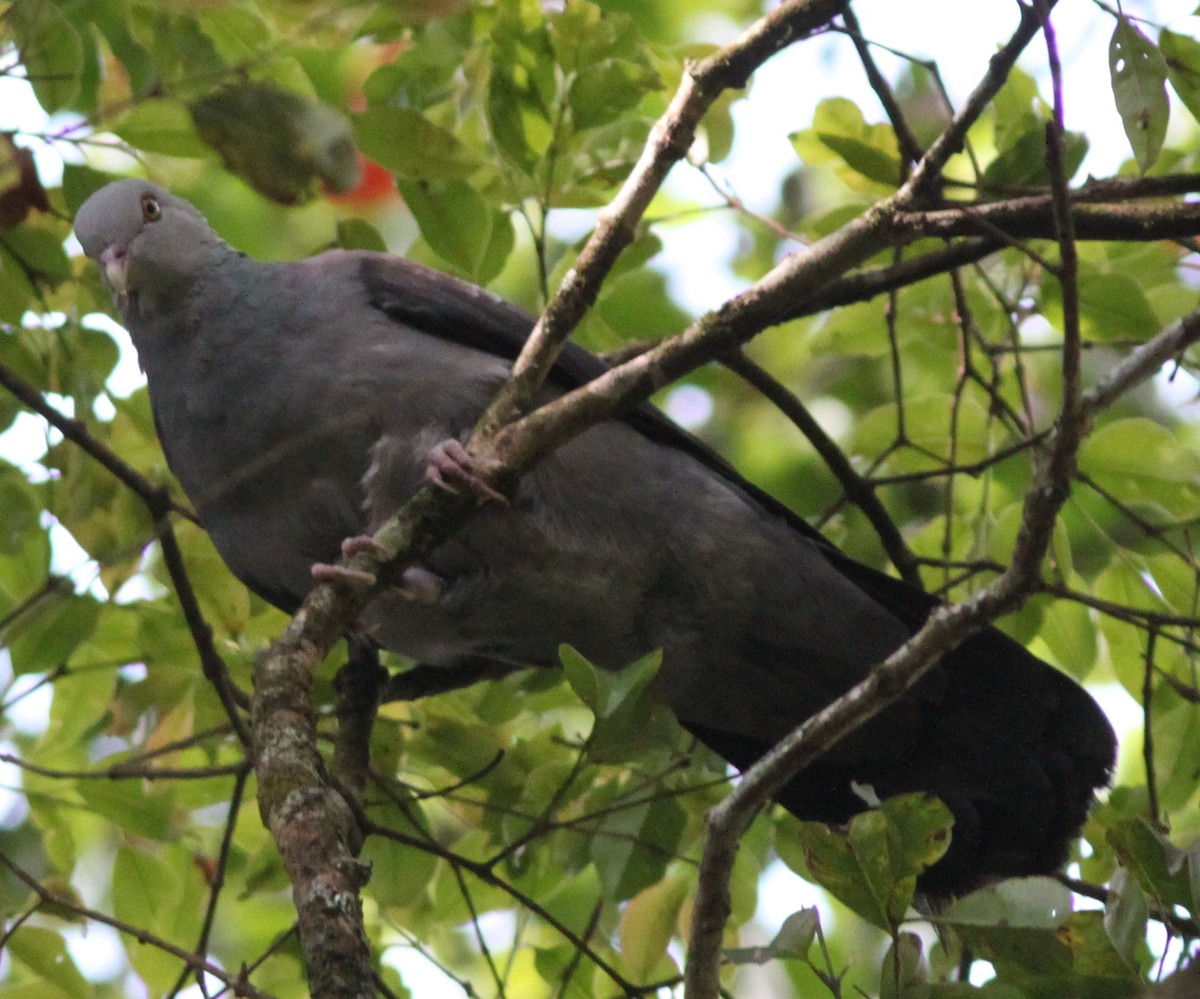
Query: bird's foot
452,468
416,583
363,544
419,585
324,572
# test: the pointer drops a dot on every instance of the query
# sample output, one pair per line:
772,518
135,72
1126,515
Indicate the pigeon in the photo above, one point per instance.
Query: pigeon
300,404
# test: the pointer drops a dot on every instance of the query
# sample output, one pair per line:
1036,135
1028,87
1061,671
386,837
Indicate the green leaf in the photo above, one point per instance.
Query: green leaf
21,509
400,873
1138,448
792,942
1152,583
1139,75
796,935
1029,903
16,290
30,562
160,125
572,897
498,250
928,428
280,142
856,329
590,683
1125,915
263,871
1023,164
1095,958
874,164
633,720
45,953
358,234
630,719
1177,738
82,704
647,925
139,63
461,747
607,69
522,87
903,970
606,90
1157,864
40,253
406,141
596,161
1074,959
1115,306
872,864
632,846
1068,630
237,32
839,128
51,51
127,806
717,126
150,891
1016,109
458,224
42,639
1182,56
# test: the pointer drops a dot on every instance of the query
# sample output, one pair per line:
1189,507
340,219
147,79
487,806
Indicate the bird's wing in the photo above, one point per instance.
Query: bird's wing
443,306
1012,745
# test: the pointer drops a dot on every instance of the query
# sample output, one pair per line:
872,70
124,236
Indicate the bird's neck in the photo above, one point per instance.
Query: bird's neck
165,311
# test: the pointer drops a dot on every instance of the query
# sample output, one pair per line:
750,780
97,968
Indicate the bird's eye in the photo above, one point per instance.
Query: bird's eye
151,209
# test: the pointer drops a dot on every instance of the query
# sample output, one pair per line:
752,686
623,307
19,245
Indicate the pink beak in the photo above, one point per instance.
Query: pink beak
115,264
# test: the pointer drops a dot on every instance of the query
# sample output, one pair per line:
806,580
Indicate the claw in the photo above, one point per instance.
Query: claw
420,585
416,583
363,544
452,468
323,572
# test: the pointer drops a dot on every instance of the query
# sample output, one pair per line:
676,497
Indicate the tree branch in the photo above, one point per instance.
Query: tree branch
306,816
296,799
1033,217
160,505
946,627
670,139
857,489
56,900
769,301
910,147
217,879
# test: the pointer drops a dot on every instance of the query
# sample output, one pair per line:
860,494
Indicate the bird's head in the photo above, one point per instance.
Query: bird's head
147,242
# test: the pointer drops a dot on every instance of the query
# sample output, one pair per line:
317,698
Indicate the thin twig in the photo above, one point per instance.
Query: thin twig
217,879
160,506
1179,924
910,147
127,771
857,489
485,874
1148,671
616,224
237,983
76,431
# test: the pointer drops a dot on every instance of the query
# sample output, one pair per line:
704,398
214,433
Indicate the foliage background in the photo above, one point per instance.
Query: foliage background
544,837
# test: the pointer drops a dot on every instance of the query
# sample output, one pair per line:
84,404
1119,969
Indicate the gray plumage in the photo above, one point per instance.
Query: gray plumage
298,403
